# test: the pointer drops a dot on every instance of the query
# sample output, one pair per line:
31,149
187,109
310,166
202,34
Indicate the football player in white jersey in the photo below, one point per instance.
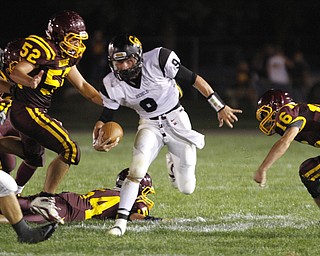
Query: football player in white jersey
147,83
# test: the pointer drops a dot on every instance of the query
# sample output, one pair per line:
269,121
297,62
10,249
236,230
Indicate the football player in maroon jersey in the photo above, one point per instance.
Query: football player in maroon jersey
98,204
278,113
7,142
46,62
10,142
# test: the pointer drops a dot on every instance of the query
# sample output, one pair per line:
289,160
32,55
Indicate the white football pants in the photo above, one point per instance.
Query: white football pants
7,184
175,132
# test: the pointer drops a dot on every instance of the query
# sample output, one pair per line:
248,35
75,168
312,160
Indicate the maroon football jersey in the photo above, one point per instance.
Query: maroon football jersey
46,56
98,204
304,116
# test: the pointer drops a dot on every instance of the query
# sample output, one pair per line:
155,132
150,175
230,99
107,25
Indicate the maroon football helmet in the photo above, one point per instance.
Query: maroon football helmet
268,105
11,55
67,29
145,184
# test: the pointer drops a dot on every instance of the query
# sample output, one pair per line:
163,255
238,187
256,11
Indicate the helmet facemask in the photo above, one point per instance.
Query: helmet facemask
10,67
127,74
142,197
266,115
72,44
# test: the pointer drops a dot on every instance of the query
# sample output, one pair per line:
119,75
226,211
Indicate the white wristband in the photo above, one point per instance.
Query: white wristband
216,102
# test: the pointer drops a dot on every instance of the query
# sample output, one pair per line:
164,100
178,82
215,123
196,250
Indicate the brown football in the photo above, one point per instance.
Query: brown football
112,130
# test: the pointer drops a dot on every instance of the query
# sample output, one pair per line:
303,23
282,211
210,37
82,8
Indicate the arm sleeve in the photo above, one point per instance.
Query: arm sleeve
185,77
106,115
297,124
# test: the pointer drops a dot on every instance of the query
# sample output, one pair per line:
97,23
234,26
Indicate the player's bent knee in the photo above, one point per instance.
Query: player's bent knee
136,174
313,187
308,173
71,155
7,184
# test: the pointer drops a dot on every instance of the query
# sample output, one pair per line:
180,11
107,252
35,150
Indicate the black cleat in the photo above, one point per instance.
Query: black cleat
39,234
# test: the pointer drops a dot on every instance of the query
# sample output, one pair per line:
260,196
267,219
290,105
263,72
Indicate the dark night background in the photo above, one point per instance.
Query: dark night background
211,37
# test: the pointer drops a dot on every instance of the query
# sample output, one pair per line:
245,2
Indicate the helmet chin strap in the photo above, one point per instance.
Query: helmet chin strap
135,82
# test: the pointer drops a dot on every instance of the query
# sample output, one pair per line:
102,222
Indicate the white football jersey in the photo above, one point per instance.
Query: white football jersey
157,94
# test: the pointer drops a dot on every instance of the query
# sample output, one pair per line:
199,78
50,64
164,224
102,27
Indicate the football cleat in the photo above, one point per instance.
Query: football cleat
39,234
115,231
170,168
119,228
45,206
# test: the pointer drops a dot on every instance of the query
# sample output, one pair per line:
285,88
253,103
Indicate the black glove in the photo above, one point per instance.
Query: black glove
151,218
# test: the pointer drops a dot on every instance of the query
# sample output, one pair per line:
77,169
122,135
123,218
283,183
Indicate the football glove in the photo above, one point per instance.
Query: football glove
151,218
45,206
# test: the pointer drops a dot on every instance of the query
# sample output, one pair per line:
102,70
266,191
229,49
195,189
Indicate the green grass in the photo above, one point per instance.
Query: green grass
226,215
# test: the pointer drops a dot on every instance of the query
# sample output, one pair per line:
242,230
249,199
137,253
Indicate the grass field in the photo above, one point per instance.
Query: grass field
227,214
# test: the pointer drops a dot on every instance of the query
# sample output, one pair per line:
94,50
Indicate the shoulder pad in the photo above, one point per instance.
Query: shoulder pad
37,48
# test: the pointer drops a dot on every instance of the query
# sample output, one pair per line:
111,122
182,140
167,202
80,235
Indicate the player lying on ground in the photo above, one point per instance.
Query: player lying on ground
98,204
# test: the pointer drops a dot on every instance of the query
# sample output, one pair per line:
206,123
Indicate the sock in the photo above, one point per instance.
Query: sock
21,227
128,195
24,173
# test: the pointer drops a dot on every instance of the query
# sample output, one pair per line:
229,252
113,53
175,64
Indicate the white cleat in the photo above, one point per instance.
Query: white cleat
170,168
119,228
46,207
115,231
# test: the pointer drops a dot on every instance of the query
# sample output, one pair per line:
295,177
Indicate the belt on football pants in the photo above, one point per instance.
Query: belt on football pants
162,115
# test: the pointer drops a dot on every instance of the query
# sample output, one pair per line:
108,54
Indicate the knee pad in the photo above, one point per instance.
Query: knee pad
186,178
309,173
136,174
7,184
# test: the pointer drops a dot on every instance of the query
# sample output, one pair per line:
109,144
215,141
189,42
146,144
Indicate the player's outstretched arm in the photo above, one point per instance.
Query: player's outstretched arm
85,89
277,150
225,113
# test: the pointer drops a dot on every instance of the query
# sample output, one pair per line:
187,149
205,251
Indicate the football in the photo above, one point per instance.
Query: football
112,130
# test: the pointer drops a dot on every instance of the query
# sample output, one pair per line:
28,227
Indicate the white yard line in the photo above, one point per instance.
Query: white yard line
233,222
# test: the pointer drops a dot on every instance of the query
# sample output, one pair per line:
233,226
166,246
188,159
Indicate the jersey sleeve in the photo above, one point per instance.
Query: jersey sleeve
110,94
172,64
290,116
37,50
